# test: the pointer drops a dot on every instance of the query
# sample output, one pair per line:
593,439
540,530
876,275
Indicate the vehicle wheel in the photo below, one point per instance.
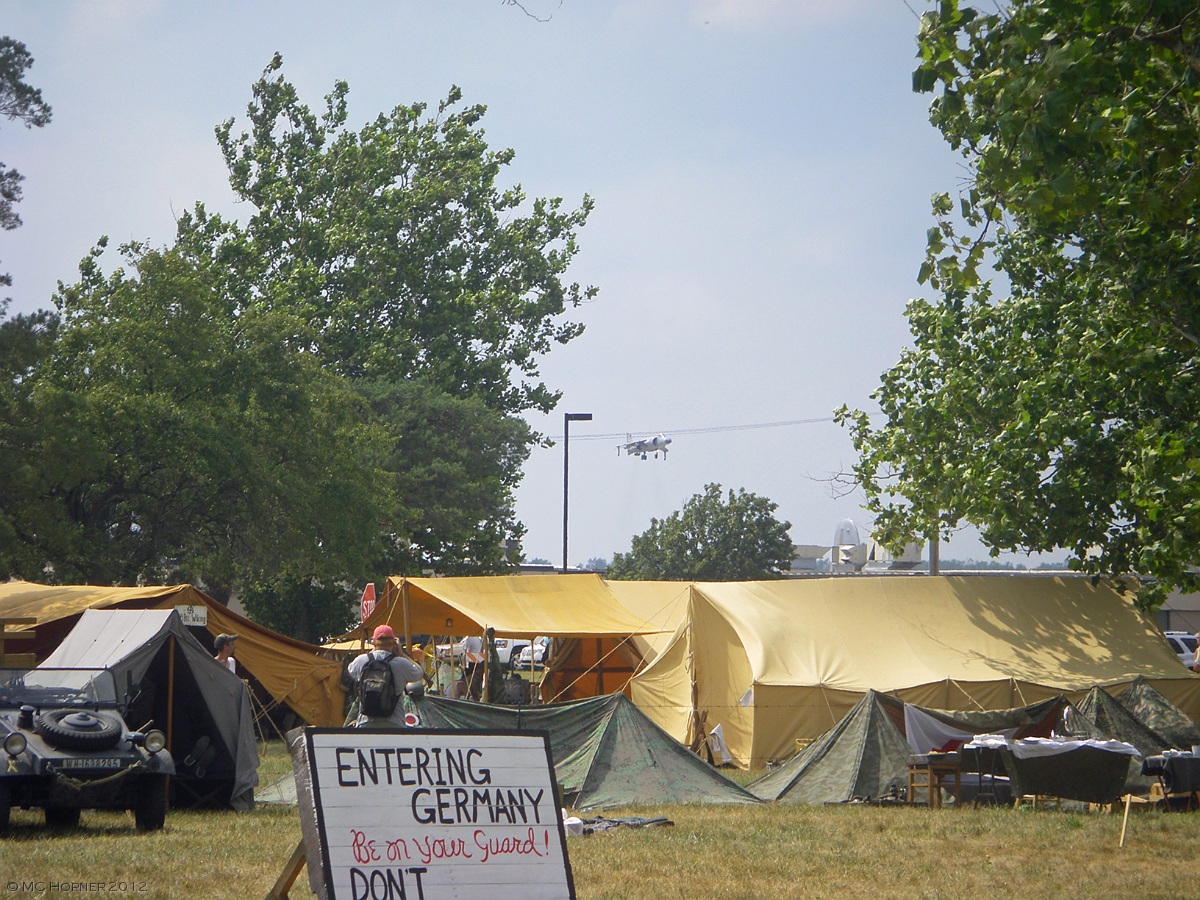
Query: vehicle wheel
5,806
150,811
61,817
76,729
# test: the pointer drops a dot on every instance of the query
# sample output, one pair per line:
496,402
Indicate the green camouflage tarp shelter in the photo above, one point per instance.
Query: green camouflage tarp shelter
1153,709
606,752
1110,720
866,754
863,755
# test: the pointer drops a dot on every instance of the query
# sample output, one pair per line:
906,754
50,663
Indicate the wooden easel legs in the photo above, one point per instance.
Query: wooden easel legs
288,876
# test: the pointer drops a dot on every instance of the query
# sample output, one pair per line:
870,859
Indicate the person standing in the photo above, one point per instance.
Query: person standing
224,645
403,672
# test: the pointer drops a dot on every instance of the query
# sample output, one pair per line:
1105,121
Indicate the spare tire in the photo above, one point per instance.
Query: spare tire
79,729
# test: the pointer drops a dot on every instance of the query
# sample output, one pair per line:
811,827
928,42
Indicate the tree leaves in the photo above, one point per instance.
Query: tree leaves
712,538
1058,415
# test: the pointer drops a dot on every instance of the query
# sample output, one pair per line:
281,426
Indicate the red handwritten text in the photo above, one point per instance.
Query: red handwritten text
430,849
508,846
363,849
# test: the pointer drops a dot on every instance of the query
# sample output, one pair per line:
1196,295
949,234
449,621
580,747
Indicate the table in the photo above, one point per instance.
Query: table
926,770
988,763
1091,771
1177,773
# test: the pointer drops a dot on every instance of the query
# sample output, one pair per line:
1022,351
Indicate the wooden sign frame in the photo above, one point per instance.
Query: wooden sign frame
425,814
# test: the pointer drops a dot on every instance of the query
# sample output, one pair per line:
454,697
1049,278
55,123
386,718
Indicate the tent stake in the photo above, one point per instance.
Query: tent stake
1125,820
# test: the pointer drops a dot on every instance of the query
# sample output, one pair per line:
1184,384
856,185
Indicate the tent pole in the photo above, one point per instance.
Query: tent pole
407,620
170,706
171,693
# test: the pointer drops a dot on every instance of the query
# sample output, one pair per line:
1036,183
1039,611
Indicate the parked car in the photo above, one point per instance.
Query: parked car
1184,645
67,748
537,654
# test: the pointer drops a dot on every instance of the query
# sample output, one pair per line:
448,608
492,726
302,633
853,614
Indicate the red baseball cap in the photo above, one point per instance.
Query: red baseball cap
383,631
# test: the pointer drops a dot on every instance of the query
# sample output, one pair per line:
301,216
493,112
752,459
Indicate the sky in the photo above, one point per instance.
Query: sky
761,171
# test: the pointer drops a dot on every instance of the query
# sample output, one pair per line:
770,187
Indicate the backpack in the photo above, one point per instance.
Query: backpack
377,695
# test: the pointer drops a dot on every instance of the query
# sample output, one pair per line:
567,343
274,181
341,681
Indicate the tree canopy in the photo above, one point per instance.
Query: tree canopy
323,395
713,538
1051,401
161,432
22,103
395,244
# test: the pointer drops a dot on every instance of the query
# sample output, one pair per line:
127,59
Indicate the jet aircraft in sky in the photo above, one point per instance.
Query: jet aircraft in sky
646,446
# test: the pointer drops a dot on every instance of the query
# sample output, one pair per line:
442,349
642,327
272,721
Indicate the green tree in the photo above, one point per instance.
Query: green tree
182,438
25,431
429,287
1062,414
18,101
453,465
713,538
395,244
306,609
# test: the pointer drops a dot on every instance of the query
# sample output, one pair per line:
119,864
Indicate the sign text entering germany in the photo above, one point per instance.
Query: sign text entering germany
431,814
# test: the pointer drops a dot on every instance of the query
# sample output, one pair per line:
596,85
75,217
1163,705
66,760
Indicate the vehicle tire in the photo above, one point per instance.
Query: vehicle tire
60,817
76,729
5,806
150,810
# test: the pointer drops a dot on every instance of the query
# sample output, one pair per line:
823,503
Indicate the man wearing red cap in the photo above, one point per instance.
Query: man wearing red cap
404,671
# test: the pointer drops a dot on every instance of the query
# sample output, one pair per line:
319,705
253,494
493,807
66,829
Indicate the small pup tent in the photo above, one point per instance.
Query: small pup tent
866,754
202,707
863,755
776,661
1160,714
606,752
1110,720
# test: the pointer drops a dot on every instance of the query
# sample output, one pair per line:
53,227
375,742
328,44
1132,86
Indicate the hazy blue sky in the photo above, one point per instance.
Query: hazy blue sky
761,170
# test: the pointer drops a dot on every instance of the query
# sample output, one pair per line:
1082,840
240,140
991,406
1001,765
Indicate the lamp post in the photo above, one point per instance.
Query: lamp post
568,418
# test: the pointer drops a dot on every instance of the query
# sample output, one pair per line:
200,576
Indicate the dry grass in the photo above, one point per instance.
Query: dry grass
777,851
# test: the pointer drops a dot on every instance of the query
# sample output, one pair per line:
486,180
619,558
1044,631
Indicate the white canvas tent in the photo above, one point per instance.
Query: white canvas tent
773,662
203,708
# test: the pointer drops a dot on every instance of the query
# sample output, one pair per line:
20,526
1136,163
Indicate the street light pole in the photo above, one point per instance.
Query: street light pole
568,418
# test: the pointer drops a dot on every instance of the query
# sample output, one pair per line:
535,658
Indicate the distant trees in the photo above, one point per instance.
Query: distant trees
1062,414
713,538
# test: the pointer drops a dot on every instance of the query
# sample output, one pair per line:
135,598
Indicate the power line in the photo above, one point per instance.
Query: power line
712,429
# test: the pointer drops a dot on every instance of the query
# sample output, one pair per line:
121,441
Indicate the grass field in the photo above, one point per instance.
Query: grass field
772,851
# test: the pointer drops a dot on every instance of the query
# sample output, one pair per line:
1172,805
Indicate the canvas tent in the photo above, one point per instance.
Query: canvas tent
290,674
772,662
592,655
606,753
1164,717
202,707
866,754
1108,719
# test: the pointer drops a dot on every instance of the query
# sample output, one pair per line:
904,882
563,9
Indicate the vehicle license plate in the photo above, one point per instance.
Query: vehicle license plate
88,764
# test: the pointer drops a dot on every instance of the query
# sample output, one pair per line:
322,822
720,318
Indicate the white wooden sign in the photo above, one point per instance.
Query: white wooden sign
424,814
193,615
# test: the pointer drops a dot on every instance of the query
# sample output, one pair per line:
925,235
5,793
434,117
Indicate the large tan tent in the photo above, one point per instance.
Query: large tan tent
291,672
773,662
593,654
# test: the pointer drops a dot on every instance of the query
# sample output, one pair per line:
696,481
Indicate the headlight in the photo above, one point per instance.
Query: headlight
14,744
155,740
